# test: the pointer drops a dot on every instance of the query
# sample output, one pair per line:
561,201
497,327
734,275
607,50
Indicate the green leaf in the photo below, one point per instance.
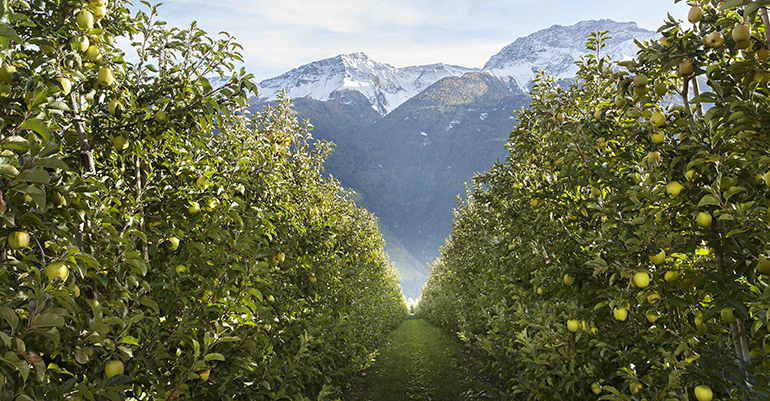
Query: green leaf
708,200
214,357
149,302
52,162
130,340
49,320
8,33
35,175
38,126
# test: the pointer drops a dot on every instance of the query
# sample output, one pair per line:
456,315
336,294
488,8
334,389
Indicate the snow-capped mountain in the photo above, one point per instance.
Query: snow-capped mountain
385,86
555,50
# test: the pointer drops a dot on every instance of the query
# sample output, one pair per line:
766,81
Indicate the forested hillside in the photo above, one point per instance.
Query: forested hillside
621,250
159,242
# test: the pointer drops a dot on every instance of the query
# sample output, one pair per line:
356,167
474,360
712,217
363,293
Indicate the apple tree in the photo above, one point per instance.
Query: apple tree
619,252
160,241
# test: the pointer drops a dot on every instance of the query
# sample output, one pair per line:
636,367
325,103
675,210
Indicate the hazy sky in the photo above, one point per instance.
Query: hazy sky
283,34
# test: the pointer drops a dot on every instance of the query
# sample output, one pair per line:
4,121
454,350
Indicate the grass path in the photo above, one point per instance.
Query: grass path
422,363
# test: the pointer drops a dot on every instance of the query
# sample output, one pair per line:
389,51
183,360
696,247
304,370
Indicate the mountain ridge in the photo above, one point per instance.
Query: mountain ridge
553,50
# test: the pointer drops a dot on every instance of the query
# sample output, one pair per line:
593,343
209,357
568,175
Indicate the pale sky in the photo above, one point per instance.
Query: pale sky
280,35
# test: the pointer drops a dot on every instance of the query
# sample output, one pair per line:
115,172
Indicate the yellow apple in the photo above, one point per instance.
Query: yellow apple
658,119
728,315
113,106
596,388
635,387
75,290
653,298
763,54
695,14
620,101
561,117
654,157
689,174
659,258
18,239
180,268
105,77
194,208
93,53
641,279
6,73
704,219
658,137
99,12
763,266
5,90
161,117
703,393
540,291
685,68
573,325
598,114
279,257
640,80
671,276
715,39
569,280
113,368
741,33
82,43
674,188
661,88
172,243
620,314
85,19
120,142
652,317
66,85
57,269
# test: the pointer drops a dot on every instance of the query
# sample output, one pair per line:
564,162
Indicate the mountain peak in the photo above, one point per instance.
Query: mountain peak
555,50
385,86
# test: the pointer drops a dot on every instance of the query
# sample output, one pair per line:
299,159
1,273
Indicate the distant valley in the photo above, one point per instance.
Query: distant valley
408,139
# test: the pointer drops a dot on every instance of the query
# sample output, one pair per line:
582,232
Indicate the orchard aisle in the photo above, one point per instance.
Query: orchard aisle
421,362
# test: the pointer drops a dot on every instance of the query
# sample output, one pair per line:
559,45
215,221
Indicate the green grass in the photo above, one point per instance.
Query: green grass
421,362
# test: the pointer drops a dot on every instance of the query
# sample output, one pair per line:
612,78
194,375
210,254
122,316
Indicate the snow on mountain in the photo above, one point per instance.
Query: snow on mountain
555,49
385,86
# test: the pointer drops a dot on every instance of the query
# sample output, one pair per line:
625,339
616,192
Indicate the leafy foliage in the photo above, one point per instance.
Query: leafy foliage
151,221
603,187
